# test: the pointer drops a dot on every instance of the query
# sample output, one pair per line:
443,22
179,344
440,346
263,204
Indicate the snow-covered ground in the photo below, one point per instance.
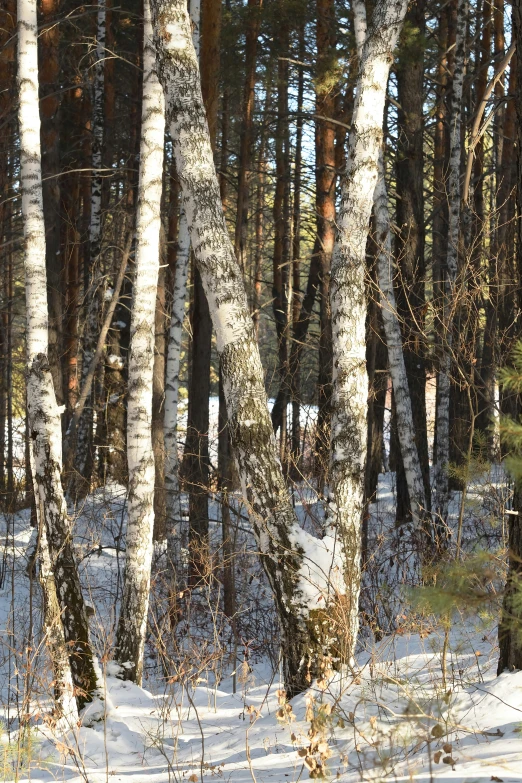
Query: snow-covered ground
212,707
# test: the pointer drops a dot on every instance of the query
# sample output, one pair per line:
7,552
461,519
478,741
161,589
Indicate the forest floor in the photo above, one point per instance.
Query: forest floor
210,708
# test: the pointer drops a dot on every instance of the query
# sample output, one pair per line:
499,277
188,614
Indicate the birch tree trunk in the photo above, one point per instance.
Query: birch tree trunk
348,298
42,409
84,435
392,329
441,483
176,537
309,598
130,638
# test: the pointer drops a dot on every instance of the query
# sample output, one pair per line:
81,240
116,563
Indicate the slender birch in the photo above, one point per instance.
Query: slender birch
175,537
348,298
307,595
392,329
91,325
130,639
42,409
441,483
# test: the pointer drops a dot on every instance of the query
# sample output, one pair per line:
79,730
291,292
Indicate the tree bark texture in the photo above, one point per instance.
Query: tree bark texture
43,411
282,543
509,632
130,639
441,482
348,298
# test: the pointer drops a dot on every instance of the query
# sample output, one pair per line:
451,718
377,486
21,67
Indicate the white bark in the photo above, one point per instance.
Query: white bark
195,20
392,329
441,483
348,300
132,624
97,133
42,410
65,710
177,537
173,500
305,594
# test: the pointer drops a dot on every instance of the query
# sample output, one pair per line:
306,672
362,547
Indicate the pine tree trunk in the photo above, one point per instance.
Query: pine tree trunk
441,482
281,218
252,32
325,178
130,639
509,635
43,411
50,99
310,630
348,298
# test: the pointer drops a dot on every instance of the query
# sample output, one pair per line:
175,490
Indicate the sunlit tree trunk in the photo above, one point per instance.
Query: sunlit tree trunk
348,298
130,639
42,409
311,627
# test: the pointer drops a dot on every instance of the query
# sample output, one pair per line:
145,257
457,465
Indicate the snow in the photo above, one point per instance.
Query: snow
214,717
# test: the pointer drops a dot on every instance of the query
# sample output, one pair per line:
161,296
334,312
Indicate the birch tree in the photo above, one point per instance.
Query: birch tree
176,535
175,538
130,639
65,595
392,329
441,483
304,572
348,299
91,325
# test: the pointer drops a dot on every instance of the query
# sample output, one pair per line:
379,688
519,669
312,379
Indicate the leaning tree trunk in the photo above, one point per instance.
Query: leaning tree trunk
441,497
348,298
130,638
308,604
43,411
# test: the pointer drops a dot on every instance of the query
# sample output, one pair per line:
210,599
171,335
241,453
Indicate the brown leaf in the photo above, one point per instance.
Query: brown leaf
497,780
437,756
447,747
